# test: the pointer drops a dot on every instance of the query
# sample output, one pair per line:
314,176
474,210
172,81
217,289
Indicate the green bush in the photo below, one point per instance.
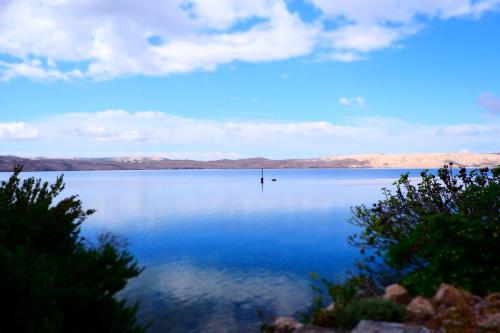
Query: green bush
342,294
354,301
368,309
446,228
51,278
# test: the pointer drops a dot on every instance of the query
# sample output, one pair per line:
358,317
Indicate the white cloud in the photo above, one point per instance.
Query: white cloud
371,25
36,71
345,56
357,39
100,39
401,11
202,156
17,131
344,101
357,101
104,40
119,132
468,129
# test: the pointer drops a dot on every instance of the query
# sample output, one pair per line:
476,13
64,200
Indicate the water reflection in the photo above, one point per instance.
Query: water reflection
216,247
193,298
148,194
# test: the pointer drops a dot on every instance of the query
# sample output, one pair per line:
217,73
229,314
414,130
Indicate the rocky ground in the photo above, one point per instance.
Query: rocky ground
450,311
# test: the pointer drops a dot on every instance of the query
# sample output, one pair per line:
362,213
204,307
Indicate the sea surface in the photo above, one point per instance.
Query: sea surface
217,246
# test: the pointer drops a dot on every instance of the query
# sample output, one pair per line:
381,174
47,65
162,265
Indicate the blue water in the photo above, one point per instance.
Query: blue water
217,247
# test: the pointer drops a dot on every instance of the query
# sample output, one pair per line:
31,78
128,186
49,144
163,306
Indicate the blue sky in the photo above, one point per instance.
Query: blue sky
214,79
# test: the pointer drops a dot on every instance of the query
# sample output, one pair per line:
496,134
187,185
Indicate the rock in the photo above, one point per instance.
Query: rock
397,294
314,329
449,296
285,325
457,317
474,300
479,307
419,310
490,322
330,307
368,326
493,298
470,299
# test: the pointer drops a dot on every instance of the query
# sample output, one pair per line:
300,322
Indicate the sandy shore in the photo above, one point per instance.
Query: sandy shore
421,160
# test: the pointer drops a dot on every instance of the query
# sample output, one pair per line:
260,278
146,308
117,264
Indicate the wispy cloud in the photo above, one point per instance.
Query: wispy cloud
353,101
468,129
101,39
119,132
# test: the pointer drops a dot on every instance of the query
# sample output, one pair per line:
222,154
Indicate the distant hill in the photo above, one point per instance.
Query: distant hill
420,160
423,160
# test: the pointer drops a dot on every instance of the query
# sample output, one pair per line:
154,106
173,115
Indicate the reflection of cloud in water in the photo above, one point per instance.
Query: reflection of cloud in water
146,203
183,297
144,197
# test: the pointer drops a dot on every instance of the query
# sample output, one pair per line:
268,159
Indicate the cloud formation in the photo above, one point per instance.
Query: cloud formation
119,132
100,39
17,131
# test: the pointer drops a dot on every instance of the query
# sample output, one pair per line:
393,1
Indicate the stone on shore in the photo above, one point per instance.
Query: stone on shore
470,299
492,299
314,329
285,325
369,326
397,294
449,296
419,310
490,322
450,310
331,307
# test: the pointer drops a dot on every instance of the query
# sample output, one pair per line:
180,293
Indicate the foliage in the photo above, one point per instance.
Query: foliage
354,287
341,294
369,309
353,300
51,278
266,325
446,228
314,311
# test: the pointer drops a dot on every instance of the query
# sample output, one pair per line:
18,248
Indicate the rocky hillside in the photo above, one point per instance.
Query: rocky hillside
433,160
427,160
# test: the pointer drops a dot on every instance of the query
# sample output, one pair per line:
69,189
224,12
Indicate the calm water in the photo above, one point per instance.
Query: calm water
217,247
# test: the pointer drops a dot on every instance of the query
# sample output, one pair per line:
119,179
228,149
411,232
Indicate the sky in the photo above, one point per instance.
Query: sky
211,79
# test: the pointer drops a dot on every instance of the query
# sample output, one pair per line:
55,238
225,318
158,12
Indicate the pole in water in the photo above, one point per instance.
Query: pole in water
262,176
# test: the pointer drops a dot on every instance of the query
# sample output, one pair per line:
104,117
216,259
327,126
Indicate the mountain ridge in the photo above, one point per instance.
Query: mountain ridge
409,160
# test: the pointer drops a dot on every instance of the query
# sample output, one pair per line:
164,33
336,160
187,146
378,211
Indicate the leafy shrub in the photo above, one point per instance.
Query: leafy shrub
368,309
354,301
446,228
51,278
342,294
315,311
